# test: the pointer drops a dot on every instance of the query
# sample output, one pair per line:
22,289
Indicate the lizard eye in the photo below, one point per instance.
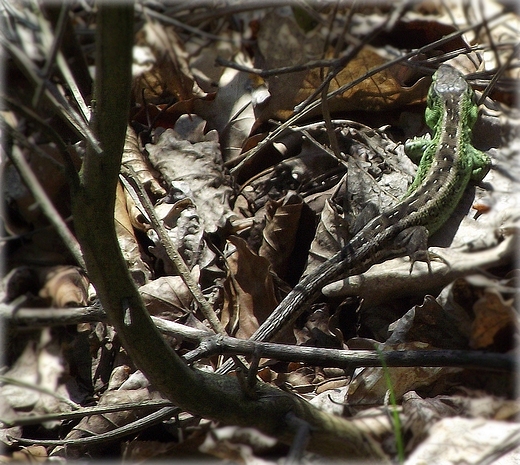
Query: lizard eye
473,96
430,100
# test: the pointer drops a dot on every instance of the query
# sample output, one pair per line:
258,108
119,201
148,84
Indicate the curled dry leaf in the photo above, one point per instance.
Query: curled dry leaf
282,220
470,404
319,330
203,55
237,444
118,376
8,435
186,233
370,385
249,291
331,400
231,112
431,324
495,321
134,158
134,209
64,286
463,440
331,235
25,369
301,379
166,72
420,414
40,364
127,241
31,454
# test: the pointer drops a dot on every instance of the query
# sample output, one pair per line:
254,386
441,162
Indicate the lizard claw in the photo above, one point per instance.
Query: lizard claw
426,256
414,241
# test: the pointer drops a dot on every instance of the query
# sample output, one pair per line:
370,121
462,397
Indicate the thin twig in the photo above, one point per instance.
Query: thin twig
42,390
211,344
54,48
350,359
277,71
49,131
28,420
138,425
40,196
172,252
54,97
498,74
148,12
340,64
44,317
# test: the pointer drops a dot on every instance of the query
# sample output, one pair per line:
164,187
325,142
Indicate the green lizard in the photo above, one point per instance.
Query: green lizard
448,163
449,156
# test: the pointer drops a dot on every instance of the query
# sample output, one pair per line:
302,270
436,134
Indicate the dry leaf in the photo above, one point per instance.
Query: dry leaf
370,385
236,444
22,213
128,243
166,115
250,291
374,181
282,220
19,281
142,451
420,414
168,297
331,235
495,318
231,113
8,435
41,364
462,440
428,323
295,164
190,163
185,231
282,43
31,454
98,424
47,166
134,158
319,331
25,369
166,72
331,399
64,286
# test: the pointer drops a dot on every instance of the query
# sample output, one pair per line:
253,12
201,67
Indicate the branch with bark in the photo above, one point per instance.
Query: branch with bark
211,344
208,395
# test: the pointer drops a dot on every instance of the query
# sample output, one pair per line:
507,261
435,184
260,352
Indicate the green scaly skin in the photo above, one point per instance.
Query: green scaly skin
448,162
451,114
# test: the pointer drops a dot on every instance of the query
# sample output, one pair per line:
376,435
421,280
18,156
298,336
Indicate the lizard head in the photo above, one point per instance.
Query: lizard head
450,89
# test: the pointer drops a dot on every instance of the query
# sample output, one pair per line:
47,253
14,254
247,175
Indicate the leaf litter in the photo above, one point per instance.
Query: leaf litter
250,226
